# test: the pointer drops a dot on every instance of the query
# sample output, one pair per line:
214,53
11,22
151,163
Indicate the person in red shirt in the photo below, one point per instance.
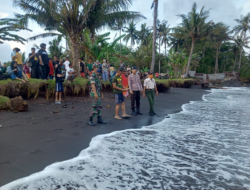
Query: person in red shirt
51,71
26,70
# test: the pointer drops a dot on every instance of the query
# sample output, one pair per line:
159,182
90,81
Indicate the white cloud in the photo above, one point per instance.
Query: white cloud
3,15
5,50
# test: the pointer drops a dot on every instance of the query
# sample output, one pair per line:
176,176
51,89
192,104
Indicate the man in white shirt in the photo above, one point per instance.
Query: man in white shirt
70,73
66,64
149,88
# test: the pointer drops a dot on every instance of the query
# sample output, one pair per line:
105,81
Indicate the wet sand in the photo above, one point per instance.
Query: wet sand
33,140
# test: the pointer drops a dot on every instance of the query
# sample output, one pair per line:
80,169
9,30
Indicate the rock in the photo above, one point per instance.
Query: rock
18,105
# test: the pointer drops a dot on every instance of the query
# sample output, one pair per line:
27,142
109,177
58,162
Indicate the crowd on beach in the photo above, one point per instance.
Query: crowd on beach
125,79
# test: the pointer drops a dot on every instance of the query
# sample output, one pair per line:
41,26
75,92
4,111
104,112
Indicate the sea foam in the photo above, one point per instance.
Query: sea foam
205,146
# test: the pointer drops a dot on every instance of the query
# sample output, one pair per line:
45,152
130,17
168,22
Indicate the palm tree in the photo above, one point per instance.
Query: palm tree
220,33
239,44
118,26
6,27
194,27
155,6
131,34
143,34
243,26
165,32
71,16
55,49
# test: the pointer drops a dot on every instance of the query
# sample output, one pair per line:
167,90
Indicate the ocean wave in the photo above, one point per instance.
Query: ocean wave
205,146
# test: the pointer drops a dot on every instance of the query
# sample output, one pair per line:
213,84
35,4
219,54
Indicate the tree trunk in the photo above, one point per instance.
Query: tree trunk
190,56
159,55
120,44
154,36
203,52
165,49
235,62
217,59
75,53
240,58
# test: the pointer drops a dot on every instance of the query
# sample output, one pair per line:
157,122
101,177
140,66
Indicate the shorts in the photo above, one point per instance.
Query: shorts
59,87
83,74
73,76
119,98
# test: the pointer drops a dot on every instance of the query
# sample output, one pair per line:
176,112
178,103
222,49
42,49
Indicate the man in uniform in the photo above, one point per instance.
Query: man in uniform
95,93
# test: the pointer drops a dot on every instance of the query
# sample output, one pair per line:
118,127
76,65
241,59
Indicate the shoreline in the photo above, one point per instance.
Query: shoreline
45,138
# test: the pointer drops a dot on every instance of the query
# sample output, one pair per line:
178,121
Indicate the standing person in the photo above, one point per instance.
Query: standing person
135,88
96,94
51,70
18,58
56,61
59,82
16,73
105,71
82,67
66,64
129,70
13,54
121,65
89,67
118,90
43,62
112,69
108,68
33,58
149,88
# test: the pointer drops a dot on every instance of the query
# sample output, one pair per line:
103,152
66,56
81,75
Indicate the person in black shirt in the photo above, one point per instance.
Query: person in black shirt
56,61
59,82
82,67
44,62
33,58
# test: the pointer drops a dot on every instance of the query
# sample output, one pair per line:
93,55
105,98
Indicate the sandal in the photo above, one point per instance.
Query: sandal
118,118
126,117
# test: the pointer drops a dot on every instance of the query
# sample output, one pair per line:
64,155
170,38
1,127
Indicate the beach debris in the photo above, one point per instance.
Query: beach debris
108,106
65,106
55,111
167,116
73,103
19,105
73,107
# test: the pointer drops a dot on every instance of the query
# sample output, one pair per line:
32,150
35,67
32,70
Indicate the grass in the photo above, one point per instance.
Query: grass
13,88
4,103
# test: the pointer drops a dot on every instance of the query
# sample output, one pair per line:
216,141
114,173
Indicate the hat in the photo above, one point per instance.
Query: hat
134,68
95,66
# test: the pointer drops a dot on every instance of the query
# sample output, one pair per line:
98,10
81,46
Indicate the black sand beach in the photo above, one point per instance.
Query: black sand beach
31,141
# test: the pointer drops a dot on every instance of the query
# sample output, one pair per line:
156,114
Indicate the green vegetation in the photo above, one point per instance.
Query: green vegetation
4,103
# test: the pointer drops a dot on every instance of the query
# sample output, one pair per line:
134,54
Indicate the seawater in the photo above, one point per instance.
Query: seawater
206,146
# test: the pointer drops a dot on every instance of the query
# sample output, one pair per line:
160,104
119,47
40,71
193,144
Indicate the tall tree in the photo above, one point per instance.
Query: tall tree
7,26
194,26
55,49
131,34
220,33
118,26
165,32
143,34
155,6
243,26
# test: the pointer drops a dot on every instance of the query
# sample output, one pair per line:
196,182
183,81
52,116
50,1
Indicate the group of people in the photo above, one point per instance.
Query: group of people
135,88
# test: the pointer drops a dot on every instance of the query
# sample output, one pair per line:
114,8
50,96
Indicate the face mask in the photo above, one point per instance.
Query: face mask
151,76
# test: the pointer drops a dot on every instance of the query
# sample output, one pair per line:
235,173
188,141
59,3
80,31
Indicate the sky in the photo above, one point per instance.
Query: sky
220,11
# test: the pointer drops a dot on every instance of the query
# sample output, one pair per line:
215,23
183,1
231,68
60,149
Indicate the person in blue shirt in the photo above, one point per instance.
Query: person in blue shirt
13,53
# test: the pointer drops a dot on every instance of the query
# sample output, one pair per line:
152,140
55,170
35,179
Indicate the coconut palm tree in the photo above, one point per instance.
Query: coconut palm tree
7,26
165,32
72,16
239,44
194,26
131,34
220,34
143,34
155,6
242,27
54,47
118,26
